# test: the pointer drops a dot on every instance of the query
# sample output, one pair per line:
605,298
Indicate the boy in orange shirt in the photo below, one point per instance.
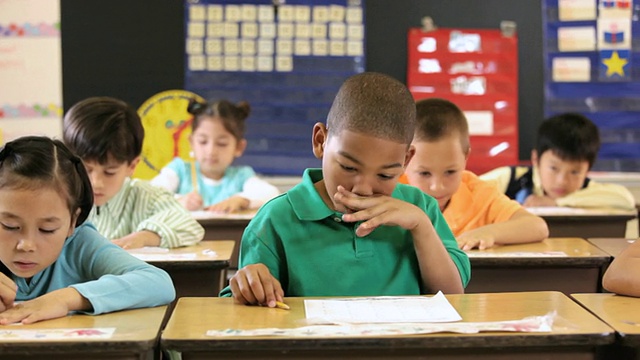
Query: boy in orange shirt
479,215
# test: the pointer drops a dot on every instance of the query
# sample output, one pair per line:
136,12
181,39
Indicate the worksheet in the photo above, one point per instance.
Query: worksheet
414,309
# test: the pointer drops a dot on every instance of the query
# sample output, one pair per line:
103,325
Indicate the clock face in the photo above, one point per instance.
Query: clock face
167,126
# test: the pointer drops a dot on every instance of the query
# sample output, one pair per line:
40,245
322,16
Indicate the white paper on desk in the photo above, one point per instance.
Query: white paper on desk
55,334
557,210
144,256
382,310
204,214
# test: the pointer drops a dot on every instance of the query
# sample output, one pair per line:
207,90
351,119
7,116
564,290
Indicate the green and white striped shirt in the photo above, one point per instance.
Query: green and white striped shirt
141,206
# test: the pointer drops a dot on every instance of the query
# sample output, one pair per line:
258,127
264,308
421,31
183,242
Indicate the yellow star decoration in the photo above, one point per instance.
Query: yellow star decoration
615,65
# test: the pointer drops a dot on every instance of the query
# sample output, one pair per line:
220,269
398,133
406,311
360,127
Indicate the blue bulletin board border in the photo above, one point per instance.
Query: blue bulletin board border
284,103
610,98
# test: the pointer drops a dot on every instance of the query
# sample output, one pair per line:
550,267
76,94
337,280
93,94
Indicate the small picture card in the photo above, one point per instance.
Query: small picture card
249,12
615,9
195,46
215,30
214,63
320,47
265,47
320,14
615,65
302,48
303,13
284,47
303,31
286,13
337,31
231,47
249,30
196,63
213,46
614,33
247,47
284,63
231,63
265,63
197,13
196,29
215,13
248,63
285,30
319,31
233,13
266,13
231,29
268,30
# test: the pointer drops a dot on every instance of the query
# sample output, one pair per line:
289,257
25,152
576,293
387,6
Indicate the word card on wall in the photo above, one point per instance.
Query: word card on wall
286,60
592,66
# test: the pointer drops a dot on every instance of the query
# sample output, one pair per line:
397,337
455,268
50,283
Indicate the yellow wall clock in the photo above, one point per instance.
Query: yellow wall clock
167,126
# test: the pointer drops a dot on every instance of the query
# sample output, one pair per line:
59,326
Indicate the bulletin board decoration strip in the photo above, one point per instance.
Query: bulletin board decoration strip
31,110
30,30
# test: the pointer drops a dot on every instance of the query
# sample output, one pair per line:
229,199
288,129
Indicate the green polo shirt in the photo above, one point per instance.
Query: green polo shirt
312,252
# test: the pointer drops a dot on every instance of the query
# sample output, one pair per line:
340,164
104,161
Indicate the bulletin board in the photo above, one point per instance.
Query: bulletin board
288,61
592,66
476,69
30,69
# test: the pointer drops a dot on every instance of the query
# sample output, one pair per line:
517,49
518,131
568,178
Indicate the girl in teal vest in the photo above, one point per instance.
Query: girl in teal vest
211,181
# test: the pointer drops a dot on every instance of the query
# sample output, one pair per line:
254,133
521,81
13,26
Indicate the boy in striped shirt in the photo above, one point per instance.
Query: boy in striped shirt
107,134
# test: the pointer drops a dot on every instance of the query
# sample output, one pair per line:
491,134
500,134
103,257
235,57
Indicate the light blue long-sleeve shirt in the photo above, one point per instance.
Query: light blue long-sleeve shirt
105,274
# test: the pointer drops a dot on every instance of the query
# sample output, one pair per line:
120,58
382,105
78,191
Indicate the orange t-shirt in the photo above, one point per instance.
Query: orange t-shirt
476,203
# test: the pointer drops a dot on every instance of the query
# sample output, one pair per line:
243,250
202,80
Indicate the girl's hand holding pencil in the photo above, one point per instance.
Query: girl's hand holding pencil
191,201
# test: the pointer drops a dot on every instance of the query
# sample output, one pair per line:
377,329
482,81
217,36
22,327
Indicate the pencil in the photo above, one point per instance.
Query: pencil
281,305
194,178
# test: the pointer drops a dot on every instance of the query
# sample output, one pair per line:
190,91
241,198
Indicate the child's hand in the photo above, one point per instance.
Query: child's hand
191,201
379,210
539,200
53,305
8,291
137,240
232,204
254,284
477,238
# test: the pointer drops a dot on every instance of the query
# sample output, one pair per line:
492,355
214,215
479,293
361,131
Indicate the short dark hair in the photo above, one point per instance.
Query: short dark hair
570,136
99,127
36,162
232,115
439,118
374,104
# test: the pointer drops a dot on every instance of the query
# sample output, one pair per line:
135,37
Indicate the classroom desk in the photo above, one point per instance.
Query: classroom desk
530,267
225,227
612,246
585,223
135,337
195,270
575,335
622,313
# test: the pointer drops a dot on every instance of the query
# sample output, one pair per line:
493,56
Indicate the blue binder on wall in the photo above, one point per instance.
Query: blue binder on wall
288,61
592,66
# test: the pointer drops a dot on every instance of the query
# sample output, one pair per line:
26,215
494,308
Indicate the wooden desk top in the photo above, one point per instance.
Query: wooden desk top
135,330
579,253
612,246
581,214
622,313
192,317
213,254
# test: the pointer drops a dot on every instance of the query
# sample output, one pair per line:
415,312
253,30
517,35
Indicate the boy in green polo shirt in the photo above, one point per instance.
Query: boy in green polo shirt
349,229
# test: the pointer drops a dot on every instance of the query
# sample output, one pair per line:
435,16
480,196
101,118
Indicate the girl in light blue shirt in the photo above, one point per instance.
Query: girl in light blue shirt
52,262
211,181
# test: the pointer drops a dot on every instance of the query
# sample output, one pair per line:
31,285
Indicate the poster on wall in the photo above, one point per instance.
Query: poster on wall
30,69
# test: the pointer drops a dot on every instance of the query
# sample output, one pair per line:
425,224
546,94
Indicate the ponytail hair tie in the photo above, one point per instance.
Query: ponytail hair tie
195,107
